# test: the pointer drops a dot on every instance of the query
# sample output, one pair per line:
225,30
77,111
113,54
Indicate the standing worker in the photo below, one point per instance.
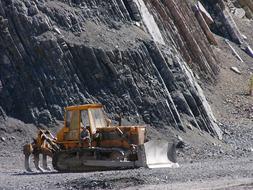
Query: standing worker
251,86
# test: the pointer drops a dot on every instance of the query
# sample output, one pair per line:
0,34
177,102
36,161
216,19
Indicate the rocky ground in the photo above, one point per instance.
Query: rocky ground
213,173
204,164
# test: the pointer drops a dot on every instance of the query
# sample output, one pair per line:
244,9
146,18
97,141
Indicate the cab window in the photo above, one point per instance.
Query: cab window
72,119
98,118
68,118
85,118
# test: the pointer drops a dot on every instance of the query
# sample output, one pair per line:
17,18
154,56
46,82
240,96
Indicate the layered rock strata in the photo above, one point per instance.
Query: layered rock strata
59,53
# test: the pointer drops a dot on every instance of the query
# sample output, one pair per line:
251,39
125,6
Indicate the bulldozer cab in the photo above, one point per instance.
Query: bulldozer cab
91,116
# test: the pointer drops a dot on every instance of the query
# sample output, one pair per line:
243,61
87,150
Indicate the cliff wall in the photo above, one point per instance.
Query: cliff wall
134,57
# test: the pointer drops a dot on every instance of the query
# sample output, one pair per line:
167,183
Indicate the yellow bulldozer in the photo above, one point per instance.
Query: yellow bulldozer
88,142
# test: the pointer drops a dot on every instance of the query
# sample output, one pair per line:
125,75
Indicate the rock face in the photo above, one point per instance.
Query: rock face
65,52
224,24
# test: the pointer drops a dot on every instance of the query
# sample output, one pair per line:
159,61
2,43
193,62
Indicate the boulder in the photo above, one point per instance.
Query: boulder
236,70
239,12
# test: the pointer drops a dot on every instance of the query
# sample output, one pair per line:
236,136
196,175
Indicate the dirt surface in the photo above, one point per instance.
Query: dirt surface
212,173
226,164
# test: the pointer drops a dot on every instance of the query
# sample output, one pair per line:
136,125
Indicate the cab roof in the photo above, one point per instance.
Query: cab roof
83,107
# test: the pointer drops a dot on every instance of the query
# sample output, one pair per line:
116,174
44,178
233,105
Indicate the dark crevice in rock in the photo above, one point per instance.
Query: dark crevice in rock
133,10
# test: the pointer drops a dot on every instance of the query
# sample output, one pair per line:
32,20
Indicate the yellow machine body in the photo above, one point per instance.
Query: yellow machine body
92,115
107,147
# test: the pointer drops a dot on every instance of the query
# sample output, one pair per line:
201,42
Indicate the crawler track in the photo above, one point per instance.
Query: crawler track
90,159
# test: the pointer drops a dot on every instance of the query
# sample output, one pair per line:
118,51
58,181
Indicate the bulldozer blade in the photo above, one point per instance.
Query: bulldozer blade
160,154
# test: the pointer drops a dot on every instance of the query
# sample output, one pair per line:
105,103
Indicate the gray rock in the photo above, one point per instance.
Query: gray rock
249,51
3,139
44,117
236,70
239,12
2,114
33,10
103,57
